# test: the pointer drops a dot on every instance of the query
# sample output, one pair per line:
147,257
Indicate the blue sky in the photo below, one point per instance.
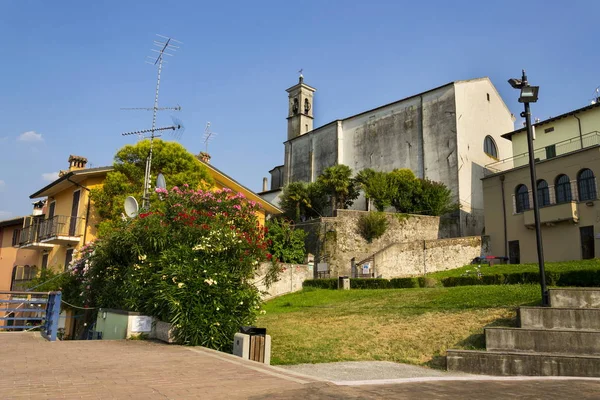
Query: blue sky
68,67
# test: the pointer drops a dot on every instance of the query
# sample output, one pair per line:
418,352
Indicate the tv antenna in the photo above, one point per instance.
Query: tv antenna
165,46
208,136
596,98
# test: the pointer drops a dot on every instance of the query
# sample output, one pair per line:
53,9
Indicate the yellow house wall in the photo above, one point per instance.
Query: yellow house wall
64,202
561,241
564,129
11,256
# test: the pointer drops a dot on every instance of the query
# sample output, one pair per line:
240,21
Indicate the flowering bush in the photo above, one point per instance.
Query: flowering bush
189,260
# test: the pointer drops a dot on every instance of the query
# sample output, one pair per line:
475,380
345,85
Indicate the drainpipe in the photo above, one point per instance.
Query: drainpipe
87,212
580,134
502,177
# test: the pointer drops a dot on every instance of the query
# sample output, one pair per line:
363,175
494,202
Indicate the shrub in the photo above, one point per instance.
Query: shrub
401,283
369,283
435,198
426,282
372,225
330,283
286,244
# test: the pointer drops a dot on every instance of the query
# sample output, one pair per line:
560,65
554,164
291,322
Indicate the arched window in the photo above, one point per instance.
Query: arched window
489,147
586,184
563,189
543,193
522,197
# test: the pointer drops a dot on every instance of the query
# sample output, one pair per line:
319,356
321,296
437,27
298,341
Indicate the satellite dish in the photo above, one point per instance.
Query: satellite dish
161,182
131,207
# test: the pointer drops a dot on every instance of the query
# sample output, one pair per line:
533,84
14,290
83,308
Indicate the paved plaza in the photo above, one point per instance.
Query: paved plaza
32,368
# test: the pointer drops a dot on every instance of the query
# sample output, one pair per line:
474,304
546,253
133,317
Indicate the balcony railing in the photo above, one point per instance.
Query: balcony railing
44,233
545,153
60,228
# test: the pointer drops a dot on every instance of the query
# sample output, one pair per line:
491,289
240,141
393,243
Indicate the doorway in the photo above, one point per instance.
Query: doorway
587,242
514,252
74,213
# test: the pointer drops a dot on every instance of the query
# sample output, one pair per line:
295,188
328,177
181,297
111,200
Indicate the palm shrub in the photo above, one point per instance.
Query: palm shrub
372,225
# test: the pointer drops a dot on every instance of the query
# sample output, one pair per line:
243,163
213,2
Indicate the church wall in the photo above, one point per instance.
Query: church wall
325,149
319,145
478,117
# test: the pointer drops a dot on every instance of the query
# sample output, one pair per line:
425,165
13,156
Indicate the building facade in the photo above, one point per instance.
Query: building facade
446,134
567,153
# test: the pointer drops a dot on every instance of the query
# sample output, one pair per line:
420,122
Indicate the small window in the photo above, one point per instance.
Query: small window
543,193
489,147
550,151
44,261
15,237
563,189
522,198
488,96
586,184
548,130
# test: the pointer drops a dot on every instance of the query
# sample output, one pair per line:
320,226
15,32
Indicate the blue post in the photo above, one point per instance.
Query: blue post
52,315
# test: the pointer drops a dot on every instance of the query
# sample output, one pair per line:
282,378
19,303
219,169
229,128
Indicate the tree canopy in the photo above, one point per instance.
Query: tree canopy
169,158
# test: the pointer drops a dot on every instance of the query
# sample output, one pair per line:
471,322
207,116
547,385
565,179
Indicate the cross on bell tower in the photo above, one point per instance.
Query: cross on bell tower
300,113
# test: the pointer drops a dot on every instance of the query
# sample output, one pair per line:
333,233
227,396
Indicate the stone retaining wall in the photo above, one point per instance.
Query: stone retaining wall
290,280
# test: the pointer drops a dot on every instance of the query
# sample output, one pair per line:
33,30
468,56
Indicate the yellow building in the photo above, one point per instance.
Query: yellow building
567,153
67,220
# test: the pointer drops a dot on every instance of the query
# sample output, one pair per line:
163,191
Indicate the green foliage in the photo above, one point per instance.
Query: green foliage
338,184
405,197
190,260
286,244
320,283
435,198
378,187
372,225
177,164
401,283
301,201
369,283
579,278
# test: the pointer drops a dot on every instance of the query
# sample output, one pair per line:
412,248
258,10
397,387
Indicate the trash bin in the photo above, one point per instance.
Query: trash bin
343,283
258,344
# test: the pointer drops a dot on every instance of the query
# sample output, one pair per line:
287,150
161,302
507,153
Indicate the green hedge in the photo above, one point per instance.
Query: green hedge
577,278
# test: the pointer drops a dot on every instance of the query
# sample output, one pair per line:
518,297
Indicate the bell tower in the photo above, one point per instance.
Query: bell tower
300,113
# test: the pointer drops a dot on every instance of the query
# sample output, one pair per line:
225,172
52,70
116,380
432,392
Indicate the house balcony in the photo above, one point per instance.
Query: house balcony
29,238
551,214
61,230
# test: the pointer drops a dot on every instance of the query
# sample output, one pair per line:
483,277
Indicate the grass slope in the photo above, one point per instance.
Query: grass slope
404,325
485,269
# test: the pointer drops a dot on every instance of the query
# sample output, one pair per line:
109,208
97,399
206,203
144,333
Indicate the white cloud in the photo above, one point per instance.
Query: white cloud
30,136
5,214
50,176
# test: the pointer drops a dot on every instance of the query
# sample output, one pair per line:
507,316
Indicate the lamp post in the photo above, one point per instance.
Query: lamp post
529,94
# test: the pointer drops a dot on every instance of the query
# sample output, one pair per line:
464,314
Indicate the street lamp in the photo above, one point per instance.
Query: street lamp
529,94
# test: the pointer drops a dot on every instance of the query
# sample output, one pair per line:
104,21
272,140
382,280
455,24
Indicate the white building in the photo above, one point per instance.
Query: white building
446,134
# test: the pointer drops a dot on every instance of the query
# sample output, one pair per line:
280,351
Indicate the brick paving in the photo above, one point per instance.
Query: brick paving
32,368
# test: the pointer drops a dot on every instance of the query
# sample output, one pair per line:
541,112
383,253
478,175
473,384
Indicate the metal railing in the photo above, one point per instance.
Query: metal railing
545,153
27,311
60,225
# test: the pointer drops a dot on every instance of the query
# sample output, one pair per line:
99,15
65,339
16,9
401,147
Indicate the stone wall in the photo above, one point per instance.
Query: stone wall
337,240
290,279
425,256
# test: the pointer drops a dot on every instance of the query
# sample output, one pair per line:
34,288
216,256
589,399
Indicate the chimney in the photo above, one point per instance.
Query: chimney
77,162
204,157
265,184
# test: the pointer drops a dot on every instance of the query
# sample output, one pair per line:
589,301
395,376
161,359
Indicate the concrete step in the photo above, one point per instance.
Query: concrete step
575,297
560,318
515,363
543,340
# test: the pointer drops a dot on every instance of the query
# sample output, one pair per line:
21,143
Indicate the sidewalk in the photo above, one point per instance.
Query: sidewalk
32,368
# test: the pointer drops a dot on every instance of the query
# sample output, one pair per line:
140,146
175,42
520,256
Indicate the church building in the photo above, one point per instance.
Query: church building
447,134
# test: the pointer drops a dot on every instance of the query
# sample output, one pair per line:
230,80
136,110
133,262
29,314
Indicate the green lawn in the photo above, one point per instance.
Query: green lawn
404,325
513,268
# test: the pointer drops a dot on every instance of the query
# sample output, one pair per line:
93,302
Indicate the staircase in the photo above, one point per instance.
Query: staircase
561,340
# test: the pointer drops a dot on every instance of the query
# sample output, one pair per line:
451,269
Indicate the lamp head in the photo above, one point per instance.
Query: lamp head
529,94
515,83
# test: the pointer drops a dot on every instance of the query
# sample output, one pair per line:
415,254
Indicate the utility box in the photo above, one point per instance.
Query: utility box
343,283
253,344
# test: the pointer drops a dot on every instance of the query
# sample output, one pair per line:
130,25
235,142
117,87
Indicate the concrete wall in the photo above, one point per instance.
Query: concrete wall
290,280
425,256
337,240
561,240
480,112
